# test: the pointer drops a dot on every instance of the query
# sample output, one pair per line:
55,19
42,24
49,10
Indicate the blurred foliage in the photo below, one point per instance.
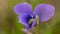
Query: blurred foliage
9,23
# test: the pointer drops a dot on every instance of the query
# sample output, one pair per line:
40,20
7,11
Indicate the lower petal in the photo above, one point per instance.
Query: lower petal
34,23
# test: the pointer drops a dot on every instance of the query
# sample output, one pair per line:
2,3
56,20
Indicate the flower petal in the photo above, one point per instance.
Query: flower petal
23,8
31,26
44,11
24,18
34,23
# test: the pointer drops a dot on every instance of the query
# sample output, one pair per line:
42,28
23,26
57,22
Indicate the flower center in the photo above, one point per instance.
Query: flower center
31,21
37,19
32,16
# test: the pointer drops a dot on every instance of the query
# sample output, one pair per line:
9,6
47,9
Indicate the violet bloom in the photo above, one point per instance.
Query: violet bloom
43,11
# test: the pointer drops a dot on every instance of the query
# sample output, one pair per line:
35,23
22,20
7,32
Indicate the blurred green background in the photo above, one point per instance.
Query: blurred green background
9,23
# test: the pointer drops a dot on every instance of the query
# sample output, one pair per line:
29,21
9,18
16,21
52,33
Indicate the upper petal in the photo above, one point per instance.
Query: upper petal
44,11
24,19
23,8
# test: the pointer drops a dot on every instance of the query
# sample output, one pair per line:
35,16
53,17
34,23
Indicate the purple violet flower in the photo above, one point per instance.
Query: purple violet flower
43,11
